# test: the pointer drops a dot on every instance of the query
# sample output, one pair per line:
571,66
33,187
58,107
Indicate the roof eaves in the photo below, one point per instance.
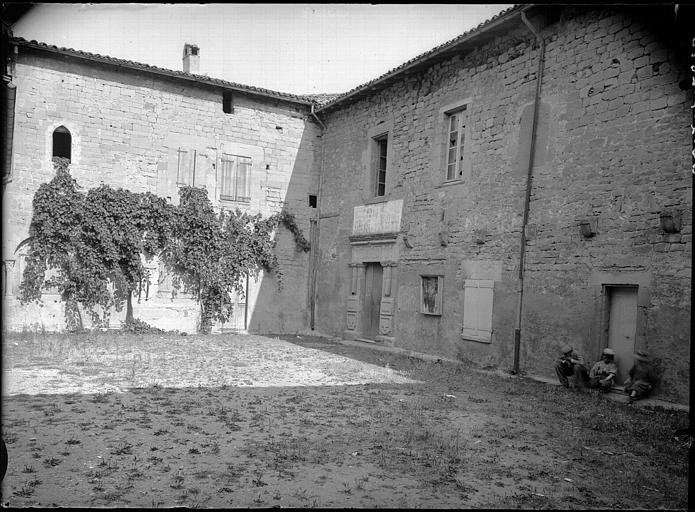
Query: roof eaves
95,57
498,19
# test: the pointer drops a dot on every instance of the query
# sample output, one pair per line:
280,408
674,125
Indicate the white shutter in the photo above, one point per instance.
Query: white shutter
186,167
477,309
202,168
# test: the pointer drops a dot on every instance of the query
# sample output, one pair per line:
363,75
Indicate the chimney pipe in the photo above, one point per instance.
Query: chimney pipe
191,58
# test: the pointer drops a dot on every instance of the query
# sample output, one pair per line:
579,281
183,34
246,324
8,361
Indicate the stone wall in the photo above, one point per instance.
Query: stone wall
612,148
127,128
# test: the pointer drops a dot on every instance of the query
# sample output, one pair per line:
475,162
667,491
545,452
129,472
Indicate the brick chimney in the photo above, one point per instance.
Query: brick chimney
191,58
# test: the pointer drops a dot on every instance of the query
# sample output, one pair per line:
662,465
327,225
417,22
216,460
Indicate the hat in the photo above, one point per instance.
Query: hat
641,355
565,349
608,352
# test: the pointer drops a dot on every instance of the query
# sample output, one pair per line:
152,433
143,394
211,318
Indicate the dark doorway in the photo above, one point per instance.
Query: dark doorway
372,299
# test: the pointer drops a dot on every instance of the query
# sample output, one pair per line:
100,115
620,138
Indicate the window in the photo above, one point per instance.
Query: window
456,128
62,143
312,201
227,105
380,165
477,310
235,178
186,169
431,295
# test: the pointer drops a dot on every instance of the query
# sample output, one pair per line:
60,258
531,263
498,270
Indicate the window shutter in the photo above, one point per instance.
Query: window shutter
166,182
477,309
226,177
183,167
202,167
243,191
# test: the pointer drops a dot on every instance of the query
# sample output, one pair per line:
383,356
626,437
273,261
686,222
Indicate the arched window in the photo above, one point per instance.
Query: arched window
62,142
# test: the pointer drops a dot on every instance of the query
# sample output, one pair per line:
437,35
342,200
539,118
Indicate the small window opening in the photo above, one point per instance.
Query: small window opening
227,106
381,152
62,143
312,201
456,143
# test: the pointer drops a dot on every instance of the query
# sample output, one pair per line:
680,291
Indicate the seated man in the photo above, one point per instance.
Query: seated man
603,372
571,364
641,379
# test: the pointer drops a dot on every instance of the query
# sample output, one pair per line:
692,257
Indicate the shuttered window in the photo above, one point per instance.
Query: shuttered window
235,178
477,310
186,169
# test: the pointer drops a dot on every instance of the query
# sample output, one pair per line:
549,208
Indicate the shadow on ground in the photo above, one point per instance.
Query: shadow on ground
448,437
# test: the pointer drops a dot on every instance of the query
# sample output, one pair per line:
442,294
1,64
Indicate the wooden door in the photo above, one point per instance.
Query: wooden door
372,299
622,326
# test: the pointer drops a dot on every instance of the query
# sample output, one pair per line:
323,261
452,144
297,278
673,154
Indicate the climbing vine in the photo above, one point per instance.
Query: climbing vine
288,220
92,243
210,253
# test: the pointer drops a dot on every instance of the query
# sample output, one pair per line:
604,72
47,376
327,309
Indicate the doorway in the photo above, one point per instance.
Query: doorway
372,299
622,326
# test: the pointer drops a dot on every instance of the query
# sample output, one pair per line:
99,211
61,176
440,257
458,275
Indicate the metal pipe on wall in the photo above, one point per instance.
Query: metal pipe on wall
529,181
316,230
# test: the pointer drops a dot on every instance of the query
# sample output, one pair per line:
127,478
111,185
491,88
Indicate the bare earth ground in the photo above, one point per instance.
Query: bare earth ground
250,421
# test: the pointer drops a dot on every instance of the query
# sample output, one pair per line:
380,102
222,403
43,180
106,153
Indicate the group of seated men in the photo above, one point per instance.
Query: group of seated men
640,381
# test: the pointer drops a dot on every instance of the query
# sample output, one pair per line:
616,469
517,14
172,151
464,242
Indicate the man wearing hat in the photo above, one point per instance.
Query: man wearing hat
571,363
604,371
641,377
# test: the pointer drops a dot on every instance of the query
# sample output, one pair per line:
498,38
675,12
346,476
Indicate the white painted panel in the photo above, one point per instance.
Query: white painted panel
477,309
377,218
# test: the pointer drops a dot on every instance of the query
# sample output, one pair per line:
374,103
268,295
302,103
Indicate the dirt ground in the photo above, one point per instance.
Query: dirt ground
250,421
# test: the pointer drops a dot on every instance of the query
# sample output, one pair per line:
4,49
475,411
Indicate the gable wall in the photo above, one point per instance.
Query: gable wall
126,129
612,145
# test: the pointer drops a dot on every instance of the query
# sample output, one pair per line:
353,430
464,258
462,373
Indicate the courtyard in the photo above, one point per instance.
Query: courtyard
163,420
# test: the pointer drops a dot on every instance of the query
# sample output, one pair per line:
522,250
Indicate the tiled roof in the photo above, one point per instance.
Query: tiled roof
322,101
306,100
420,59
323,98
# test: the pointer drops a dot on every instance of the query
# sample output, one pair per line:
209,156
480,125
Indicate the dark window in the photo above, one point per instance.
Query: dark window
62,143
227,106
381,145
431,295
312,201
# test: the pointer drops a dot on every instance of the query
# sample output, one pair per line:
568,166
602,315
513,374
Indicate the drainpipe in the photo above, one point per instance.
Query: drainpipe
9,92
529,179
314,242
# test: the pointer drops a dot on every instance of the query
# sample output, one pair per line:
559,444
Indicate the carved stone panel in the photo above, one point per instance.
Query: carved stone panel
353,309
386,316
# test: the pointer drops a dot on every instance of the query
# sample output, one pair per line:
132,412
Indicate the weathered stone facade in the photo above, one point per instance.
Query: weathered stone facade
612,151
127,128
565,217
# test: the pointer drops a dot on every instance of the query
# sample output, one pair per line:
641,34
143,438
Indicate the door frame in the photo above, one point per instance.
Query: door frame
604,280
606,315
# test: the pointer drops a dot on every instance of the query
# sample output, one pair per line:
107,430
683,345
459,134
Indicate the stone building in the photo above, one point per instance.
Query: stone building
144,128
522,186
472,210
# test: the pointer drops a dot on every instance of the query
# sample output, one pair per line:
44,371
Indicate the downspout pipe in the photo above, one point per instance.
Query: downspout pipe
314,244
9,93
529,182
